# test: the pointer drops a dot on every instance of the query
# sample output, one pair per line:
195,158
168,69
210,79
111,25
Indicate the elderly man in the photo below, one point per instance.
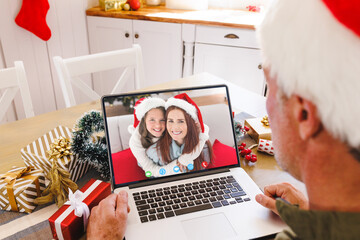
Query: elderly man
311,54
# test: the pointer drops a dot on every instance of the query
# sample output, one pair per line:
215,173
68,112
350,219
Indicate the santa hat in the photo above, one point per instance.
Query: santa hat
313,49
184,102
143,105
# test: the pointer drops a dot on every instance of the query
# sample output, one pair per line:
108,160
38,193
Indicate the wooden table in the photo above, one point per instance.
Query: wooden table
16,135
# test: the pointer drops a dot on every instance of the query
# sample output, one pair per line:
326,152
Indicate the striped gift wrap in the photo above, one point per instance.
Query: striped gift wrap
35,154
25,190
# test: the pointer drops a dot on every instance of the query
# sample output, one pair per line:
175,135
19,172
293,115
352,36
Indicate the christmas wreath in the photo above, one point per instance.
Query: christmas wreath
89,143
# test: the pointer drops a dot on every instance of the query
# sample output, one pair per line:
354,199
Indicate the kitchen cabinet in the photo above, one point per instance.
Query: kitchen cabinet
161,45
231,54
173,50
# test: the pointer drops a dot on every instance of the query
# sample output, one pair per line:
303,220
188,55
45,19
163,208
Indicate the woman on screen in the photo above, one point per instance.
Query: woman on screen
148,128
185,133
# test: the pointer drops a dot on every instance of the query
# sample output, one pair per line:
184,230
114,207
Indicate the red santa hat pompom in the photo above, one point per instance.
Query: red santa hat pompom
312,48
143,105
184,102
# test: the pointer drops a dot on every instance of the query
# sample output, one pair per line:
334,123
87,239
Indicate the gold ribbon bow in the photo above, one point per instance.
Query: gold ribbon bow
60,180
58,187
59,148
10,179
265,121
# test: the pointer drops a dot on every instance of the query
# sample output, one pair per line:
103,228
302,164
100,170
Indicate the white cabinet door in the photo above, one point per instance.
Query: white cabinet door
160,43
162,50
108,34
241,66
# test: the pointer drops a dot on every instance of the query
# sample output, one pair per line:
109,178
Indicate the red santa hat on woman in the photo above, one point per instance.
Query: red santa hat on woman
313,49
142,106
184,102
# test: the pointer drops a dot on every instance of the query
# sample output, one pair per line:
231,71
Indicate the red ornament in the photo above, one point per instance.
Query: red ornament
243,144
241,148
248,157
243,152
246,128
134,4
248,151
253,159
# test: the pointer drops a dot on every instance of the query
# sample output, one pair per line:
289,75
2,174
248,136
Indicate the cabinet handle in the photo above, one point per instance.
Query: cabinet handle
260,66
231,36
127,35
136,35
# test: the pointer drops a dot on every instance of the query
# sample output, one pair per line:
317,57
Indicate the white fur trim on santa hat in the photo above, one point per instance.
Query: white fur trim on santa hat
146,105
131,129
314,56
187,107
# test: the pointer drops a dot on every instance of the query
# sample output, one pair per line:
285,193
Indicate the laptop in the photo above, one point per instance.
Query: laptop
217,201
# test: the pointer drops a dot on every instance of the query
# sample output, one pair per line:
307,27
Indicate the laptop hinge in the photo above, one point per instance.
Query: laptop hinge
178,177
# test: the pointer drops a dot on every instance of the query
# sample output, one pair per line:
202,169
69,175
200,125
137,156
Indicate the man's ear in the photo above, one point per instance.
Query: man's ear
305,113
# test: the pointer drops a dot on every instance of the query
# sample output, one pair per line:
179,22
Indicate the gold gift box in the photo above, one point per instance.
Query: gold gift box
18,194
35,154
109,5
257,129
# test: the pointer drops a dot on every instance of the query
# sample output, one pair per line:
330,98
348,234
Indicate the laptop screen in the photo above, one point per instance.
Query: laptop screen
160,134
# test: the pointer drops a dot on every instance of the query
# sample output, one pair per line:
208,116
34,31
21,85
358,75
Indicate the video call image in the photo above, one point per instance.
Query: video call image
163,134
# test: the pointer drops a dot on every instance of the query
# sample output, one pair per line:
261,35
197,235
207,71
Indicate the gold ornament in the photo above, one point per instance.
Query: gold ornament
59,148
96,137
265,121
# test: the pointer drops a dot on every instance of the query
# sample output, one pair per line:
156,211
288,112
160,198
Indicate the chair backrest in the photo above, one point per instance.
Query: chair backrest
13,79
70,69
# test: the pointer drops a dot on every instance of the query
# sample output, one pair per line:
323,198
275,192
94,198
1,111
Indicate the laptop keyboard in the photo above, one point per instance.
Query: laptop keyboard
187,198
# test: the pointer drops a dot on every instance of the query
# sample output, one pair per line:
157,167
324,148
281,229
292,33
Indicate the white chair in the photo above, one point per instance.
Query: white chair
70,69
13,79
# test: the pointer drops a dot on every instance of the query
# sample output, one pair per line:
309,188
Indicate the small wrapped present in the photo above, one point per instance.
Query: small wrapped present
258,129
113,5
266,146
69,222
19,187
37,154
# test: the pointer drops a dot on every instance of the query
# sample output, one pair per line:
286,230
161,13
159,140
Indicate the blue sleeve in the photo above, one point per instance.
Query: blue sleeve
152,153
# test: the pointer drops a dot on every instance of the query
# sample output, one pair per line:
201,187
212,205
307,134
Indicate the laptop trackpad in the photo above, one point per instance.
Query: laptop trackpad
211,227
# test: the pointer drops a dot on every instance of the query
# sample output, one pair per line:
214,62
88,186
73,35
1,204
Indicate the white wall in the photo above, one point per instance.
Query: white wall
67,21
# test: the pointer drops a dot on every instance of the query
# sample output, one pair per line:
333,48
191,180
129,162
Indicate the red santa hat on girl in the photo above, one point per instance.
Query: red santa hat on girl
184,102
312,47
142,106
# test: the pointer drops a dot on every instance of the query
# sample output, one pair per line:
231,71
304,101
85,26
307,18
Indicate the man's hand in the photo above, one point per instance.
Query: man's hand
108,219
285,191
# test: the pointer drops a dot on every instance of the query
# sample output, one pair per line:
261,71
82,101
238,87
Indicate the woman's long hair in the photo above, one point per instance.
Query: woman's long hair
146,136
191,140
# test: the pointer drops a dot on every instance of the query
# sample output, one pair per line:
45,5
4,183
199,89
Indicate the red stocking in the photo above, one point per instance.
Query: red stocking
32,17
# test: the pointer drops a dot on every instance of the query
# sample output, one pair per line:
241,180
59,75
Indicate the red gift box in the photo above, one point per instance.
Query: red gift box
65,224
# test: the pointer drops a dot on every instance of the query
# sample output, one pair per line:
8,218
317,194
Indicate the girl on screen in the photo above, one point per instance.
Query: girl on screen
184,131
148,128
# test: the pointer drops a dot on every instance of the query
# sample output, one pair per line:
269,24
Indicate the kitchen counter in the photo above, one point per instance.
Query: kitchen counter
211,17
